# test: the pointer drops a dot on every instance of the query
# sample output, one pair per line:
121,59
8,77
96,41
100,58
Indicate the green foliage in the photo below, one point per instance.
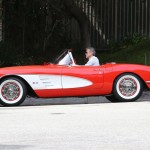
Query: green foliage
127,41
133,39
136,54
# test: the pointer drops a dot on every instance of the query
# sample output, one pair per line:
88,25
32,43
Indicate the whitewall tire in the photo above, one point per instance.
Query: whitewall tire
12,92
127,88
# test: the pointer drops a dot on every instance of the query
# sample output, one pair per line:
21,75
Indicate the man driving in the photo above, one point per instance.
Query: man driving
92,59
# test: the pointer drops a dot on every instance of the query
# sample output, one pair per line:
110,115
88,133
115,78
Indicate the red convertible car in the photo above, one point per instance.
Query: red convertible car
117,82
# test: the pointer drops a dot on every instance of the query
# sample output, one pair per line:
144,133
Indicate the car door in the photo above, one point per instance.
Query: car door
82,80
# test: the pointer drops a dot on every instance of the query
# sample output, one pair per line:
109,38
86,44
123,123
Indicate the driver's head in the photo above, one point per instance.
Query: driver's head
90,52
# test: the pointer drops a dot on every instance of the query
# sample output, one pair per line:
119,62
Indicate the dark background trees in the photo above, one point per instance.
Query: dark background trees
36,30
44,23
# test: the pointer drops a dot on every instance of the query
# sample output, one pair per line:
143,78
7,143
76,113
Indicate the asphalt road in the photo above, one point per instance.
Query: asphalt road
103,126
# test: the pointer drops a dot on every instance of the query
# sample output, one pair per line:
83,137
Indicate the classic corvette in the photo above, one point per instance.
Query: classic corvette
117,82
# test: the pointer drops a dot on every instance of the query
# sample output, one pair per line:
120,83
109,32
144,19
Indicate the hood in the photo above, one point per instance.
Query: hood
27,69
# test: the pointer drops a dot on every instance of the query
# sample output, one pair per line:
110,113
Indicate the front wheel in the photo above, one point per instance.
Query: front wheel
12,92
127,88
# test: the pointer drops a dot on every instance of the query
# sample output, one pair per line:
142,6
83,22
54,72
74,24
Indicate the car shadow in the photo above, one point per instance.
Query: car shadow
73,101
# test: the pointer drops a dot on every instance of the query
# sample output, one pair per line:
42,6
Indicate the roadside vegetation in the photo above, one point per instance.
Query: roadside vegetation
134,51
35,32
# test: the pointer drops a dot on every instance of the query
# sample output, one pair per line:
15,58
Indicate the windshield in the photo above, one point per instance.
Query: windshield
60,56
64,58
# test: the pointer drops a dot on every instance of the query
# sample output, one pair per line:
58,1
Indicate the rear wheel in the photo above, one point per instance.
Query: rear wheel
127,88
12,92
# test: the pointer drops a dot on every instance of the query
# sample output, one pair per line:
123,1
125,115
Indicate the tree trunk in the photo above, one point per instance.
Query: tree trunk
82,20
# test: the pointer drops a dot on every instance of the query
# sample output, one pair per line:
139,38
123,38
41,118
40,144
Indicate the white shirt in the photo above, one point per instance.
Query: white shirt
93,61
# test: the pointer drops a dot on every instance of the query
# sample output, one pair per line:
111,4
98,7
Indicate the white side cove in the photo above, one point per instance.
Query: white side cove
74,82
41,82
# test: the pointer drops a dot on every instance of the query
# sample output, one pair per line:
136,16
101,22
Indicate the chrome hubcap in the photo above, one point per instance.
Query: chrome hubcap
10,91
128,87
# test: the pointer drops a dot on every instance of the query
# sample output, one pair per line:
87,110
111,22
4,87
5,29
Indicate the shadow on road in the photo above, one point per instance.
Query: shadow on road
67,101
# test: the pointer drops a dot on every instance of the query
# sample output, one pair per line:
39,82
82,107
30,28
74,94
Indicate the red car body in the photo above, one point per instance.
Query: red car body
49,81
102,77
